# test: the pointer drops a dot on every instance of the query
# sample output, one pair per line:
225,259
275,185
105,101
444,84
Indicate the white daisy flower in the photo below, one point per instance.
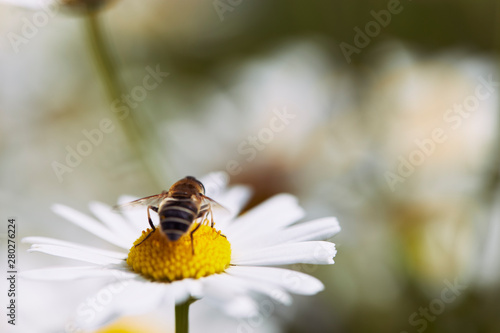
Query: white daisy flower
225,271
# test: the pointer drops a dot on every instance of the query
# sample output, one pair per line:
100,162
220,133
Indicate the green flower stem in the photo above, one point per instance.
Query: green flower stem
102,56
182,316
131,124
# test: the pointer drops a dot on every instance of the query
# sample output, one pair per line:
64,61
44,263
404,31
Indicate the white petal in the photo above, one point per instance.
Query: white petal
239,307
114,221
229,296
315,252
264,287
52,241
77,254
275,213
319,229
234,199
127,297
186,288
87,223
241,286
293,281
73,273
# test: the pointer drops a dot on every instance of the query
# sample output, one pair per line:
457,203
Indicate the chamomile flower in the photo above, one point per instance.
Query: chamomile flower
231,263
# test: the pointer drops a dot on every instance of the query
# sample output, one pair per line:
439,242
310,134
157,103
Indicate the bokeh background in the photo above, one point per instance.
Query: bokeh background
393,128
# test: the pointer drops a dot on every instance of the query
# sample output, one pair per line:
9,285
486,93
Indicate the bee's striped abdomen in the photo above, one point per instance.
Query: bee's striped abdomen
176,217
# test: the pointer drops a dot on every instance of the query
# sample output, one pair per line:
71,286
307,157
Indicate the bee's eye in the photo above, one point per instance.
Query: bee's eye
202,187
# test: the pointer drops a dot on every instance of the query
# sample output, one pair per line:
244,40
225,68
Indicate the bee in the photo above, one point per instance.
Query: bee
178,208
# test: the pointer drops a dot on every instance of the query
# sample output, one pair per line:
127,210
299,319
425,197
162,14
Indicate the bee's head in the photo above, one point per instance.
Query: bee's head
199,186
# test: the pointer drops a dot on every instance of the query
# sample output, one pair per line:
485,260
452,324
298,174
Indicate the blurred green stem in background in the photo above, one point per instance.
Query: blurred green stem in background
491,188
182,316
131,124
493,176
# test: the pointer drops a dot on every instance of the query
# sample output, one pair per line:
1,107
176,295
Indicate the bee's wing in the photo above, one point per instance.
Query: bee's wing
214,205
152,200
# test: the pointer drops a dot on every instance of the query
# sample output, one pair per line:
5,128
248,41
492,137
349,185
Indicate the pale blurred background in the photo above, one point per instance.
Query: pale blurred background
393,127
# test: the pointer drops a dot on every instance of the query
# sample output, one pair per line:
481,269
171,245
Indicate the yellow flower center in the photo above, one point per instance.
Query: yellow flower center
159,259
131,324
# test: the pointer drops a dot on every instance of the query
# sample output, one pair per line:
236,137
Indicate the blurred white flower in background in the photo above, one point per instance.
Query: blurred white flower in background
424,212
436,120
263,112
49,94
442,108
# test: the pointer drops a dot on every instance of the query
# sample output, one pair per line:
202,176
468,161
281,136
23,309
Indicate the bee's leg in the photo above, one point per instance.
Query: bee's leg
191,234
203,212
145,238
155,209
211,216
150,223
